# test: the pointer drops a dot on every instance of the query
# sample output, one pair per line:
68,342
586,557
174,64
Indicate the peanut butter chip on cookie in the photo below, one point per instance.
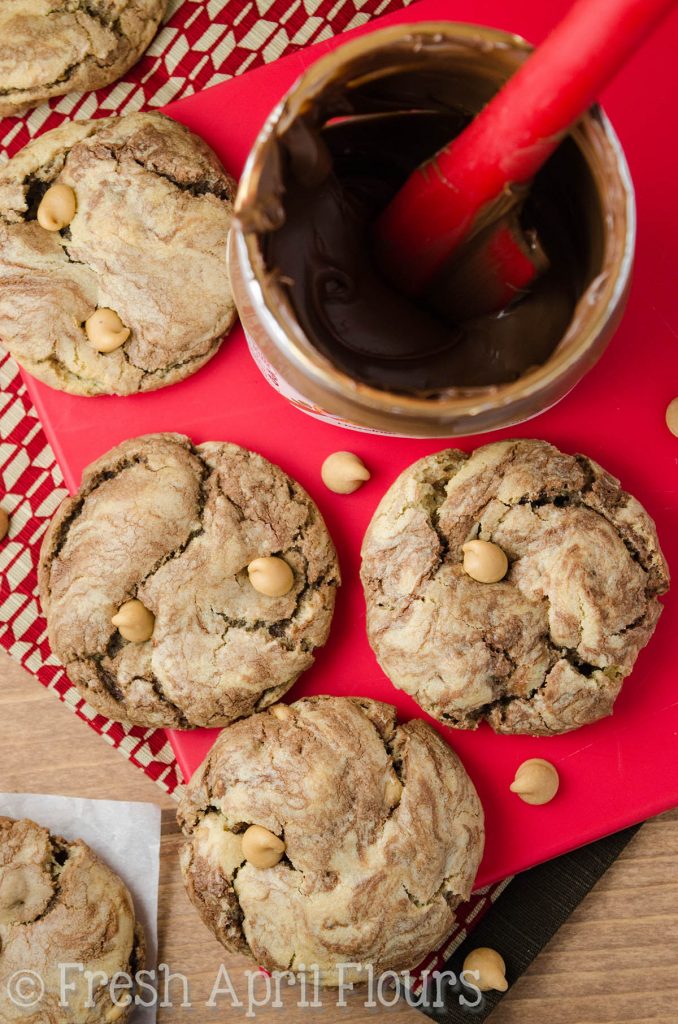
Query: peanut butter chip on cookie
487,969
261,848
282,712
116,1011
344,472
4,524
106,330
484,561
672,416
271,576
57,208
134,622
393,792
536,781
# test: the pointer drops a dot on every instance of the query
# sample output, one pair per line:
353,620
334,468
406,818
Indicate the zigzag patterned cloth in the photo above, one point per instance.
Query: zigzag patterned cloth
200,44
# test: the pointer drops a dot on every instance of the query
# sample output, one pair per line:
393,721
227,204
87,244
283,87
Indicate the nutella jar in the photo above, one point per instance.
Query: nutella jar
324,326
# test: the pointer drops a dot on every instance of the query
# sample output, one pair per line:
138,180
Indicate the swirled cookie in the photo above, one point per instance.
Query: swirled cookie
544,650
60,904
173,527
324,833
51,47
150,210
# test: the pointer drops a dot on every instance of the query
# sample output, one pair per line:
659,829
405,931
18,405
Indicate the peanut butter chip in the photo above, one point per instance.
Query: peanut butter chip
116,1011
344,472
57,208
393,792
489,967
134,622
271,576
261,848
106,330
484,561
4,524
536,781
282,712
672,416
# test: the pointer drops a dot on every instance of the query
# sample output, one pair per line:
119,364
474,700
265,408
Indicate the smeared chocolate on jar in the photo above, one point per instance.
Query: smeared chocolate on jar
337,167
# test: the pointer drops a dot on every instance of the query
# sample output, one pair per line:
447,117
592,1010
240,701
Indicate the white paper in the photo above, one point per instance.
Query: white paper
125,835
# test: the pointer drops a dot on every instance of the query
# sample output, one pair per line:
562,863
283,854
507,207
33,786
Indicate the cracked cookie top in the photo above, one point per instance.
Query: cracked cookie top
382,827
60,904
148,240
51,47
546,649
175,526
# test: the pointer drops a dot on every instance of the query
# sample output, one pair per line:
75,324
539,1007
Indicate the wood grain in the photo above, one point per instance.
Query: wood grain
614,962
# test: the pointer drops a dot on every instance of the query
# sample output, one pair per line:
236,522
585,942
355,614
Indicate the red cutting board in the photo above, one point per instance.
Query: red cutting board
618,771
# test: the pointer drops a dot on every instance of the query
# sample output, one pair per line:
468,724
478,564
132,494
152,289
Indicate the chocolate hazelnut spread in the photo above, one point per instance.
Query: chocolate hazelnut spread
336,169
582,204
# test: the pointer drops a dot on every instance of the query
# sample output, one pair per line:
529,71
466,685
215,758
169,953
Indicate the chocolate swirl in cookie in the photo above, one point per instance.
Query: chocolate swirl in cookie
175,526
102,306
52,47
382,829
60,904
545,649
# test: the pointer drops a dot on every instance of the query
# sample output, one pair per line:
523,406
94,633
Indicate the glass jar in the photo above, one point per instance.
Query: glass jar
479,60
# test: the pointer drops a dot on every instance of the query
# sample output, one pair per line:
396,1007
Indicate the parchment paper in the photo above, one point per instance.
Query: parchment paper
125,835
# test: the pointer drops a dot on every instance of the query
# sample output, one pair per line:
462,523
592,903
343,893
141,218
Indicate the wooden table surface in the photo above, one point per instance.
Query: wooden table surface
614,962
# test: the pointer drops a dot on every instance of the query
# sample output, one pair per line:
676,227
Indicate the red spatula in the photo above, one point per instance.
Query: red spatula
470,184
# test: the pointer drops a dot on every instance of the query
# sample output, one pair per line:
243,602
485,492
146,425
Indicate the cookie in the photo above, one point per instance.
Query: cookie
52,47
60,904
376,828
174,527
153,208
545,649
